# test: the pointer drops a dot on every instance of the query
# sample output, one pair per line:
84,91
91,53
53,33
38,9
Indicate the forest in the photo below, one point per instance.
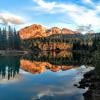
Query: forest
76,42
10,40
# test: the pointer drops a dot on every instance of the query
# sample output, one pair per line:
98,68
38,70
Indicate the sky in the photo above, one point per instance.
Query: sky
50,13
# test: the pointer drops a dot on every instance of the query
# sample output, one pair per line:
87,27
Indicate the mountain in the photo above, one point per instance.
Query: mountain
32,31
67,31
38,31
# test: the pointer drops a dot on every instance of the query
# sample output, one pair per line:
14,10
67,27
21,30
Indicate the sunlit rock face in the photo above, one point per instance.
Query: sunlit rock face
38,31
53,46
40,67
32,31
67,31
53,30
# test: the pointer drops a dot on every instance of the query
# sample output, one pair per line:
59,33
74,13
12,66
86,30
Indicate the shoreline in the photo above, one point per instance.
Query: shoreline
12,52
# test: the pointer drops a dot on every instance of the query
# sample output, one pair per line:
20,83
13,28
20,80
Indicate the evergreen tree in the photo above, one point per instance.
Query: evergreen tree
0,38
10,38
4,39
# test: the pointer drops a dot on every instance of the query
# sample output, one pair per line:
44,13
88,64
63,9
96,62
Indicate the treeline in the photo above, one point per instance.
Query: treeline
90,42
79,41
9,39
76,58
56,38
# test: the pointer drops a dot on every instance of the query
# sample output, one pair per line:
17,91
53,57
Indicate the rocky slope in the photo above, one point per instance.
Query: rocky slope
54,46
38,31
32,31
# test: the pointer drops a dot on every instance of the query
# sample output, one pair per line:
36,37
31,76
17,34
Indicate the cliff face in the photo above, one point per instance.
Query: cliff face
37,31
53,30
67,31
54,46
32,31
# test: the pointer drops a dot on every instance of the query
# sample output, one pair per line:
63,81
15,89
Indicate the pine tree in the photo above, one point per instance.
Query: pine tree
4,39
0,38
10,38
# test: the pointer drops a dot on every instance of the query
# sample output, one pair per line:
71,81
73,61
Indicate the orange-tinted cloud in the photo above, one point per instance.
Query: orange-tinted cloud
9,18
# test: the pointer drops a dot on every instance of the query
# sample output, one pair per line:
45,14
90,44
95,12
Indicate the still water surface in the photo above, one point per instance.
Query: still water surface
30,79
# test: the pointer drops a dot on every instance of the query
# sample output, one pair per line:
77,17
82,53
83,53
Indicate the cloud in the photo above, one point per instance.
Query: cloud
54,7
65,88
78,14
9,18
88,17
45,5
88,1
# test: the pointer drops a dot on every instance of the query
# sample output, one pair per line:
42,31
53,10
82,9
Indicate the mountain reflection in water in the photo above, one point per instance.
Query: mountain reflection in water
46,75
39,67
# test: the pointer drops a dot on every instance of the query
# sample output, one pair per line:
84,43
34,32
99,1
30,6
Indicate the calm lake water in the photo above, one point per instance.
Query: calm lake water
42,77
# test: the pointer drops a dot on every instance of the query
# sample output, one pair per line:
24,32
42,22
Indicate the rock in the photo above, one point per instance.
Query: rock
53,30
67,31
55,46
89,74
38,31
32,31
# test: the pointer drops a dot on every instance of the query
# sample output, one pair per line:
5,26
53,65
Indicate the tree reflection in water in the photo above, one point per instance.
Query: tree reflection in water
9,67
36,63
55,61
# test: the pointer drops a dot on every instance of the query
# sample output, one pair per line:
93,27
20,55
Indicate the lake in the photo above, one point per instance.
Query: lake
44,76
